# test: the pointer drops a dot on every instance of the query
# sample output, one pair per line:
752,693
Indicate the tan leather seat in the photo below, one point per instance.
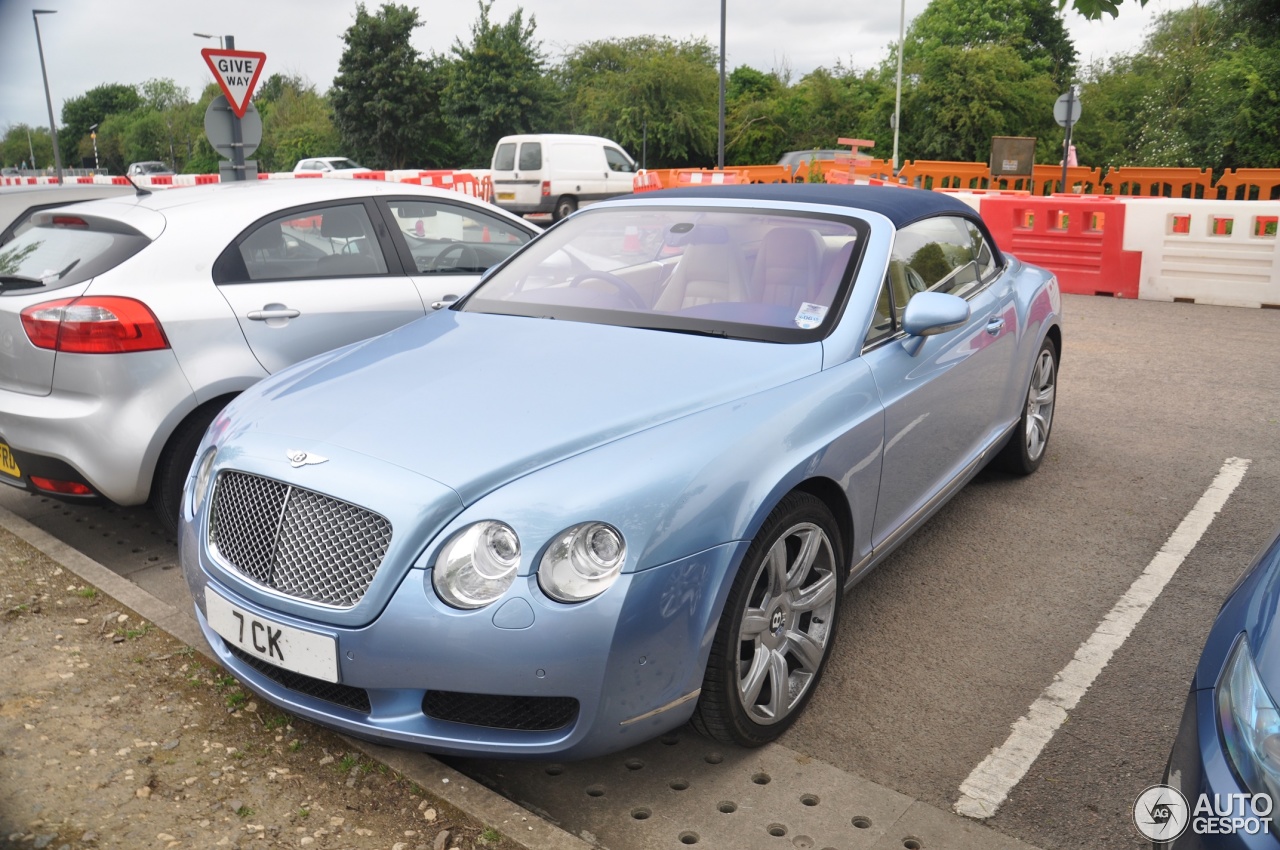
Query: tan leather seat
710,271
787,267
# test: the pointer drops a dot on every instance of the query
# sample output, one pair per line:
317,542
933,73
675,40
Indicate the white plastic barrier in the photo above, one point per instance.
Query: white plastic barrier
1207,251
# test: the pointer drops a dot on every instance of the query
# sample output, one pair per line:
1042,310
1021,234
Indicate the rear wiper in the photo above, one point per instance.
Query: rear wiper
17,281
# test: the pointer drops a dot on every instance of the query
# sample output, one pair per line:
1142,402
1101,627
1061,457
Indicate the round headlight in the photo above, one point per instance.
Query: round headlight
477,565
204,474
582,562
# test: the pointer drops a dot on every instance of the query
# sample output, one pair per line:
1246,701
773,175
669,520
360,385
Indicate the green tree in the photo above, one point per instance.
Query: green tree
646,88
964,97
20,139
81,113
381,98
297,123
1031,28
497,85
165,105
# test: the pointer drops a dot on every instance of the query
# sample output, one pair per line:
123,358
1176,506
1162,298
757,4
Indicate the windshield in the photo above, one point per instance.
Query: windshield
343,164
740,273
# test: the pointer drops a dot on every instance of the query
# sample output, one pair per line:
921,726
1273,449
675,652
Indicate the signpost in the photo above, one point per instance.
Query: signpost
1066,111
219,121
237,73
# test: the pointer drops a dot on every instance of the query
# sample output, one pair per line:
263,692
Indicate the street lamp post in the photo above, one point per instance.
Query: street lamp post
93,134
53,128
720,146
221,44
897,100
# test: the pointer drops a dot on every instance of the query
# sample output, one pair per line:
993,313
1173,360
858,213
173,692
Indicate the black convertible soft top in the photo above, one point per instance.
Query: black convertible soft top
901,206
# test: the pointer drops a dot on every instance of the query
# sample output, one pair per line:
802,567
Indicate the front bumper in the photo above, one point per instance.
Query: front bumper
1197,767
632,659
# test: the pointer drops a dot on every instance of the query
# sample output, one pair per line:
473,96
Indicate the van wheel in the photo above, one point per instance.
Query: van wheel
565,207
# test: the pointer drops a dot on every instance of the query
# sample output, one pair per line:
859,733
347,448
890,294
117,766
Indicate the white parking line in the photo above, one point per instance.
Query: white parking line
991,781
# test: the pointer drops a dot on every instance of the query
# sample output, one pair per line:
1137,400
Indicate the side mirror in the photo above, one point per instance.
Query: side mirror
930,313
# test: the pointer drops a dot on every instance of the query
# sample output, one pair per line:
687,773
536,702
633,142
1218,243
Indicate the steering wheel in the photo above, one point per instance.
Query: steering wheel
464,251
625,289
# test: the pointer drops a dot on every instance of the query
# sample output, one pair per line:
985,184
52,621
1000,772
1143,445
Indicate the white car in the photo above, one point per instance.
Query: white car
326,164
127,324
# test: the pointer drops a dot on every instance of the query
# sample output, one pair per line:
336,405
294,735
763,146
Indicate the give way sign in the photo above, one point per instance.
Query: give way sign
237,72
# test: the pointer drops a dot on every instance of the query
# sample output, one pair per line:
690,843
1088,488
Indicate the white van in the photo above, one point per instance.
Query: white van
556,173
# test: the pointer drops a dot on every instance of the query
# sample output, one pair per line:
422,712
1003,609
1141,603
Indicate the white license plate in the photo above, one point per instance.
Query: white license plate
284,646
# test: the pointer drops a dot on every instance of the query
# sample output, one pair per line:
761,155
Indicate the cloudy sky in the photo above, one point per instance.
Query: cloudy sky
91,42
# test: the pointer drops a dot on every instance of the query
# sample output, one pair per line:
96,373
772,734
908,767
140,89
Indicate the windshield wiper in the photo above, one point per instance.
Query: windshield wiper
17,281
69,267
690,331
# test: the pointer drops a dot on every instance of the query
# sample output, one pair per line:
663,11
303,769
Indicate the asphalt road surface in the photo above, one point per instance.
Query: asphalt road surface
950,642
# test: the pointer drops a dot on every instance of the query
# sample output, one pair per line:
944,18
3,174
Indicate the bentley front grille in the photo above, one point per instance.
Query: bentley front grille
296,541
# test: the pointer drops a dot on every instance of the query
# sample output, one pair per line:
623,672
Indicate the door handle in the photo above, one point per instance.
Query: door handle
274,312
995,326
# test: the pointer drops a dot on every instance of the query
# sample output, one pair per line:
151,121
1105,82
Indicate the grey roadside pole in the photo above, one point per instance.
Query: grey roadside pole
53,127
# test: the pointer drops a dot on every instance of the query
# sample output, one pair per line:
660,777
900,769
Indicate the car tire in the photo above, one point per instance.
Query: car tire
778,626
175,463
1027,445
566,206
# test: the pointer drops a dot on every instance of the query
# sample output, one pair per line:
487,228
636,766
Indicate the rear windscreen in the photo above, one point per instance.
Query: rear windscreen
62,249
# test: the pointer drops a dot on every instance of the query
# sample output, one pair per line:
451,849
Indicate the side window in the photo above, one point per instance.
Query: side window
327,242
504,158
449,238
987,267
531,156
882,324
617,160
934,255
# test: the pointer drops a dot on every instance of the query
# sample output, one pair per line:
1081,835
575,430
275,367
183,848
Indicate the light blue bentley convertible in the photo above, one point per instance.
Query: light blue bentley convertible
623,484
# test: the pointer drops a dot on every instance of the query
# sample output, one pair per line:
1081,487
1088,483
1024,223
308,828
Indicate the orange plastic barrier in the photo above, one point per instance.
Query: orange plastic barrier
1179,182
708,177
1238,184
929,174
1081,240
646,181
1045,180
766,173
370,175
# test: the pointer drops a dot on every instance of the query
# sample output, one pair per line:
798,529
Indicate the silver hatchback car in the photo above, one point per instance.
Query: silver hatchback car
127,324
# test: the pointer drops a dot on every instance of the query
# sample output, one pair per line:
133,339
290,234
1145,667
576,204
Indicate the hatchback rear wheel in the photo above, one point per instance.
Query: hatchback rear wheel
777,629
175,463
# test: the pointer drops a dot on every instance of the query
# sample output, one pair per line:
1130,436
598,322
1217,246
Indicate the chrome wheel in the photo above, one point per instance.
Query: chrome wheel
1040,399
787,625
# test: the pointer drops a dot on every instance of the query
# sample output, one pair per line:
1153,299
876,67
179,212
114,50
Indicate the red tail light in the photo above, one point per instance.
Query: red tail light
546,188
53,485
94,325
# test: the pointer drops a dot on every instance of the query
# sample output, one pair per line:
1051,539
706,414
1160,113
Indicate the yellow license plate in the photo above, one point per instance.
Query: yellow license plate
506,196
8,465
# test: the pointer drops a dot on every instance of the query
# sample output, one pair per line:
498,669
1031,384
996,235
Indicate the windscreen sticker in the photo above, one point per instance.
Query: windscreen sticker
810,316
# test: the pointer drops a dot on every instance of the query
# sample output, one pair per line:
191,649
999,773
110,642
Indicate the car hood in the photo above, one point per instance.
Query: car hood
473,400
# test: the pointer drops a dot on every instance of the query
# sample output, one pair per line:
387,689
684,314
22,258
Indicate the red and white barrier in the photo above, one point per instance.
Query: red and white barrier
1206,251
